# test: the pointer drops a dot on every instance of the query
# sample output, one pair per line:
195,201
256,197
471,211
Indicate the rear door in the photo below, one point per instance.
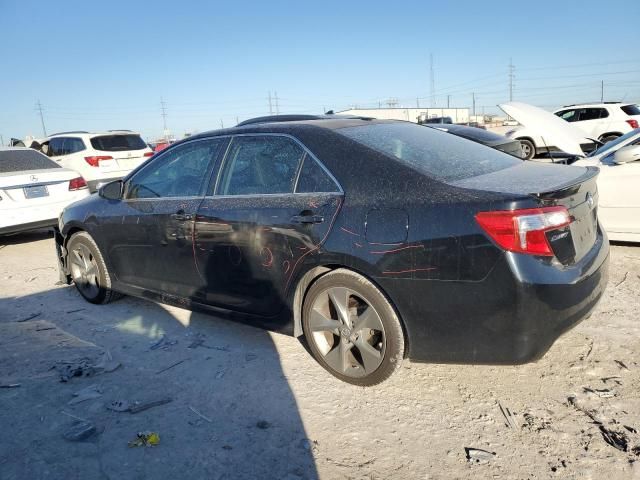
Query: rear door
149,233
271,209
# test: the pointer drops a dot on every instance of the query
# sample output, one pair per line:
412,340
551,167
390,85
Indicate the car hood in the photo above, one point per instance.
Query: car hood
553,130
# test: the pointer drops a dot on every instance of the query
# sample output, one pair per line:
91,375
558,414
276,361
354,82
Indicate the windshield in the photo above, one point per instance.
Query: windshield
438,154
607,147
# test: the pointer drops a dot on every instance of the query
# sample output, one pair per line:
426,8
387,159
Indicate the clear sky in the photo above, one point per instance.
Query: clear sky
106,65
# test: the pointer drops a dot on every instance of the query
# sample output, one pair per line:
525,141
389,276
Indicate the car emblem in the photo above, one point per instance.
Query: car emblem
590,201
33,178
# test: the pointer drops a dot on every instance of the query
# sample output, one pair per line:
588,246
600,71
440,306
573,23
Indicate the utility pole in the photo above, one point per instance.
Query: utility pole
512,76
270,105
163,108
39,108
601,91
417,102
473,97
237,122
1,141
448,99
276,100
221,124
432,81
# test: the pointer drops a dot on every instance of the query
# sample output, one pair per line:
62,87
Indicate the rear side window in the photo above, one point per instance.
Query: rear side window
313,178
56,147
593,114
21,160
260,165
71,145
118,143
438,154
631,109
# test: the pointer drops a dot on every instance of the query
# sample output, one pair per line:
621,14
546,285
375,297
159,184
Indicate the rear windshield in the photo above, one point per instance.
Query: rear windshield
475,134
631,109
118,143
21,160
436,153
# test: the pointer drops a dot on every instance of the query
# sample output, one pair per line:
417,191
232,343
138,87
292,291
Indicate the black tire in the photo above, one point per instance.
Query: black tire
608,138
528,149
379,330
88,270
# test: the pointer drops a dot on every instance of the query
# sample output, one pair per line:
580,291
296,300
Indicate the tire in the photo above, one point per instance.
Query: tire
528,149
365,346
88,270
608,138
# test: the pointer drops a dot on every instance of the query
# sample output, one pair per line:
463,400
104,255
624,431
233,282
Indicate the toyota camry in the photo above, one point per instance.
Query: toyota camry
375,240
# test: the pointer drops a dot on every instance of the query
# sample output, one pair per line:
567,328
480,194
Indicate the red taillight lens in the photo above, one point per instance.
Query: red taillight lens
94,161
77,183
523,231
148,154
632,123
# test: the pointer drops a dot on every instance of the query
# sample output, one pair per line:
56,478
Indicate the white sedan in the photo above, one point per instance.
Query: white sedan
34,190
619,186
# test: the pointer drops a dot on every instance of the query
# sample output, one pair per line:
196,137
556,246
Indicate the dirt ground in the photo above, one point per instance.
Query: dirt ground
245,403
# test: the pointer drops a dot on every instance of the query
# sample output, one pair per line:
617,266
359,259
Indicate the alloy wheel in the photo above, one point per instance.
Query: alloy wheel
84,270
347,331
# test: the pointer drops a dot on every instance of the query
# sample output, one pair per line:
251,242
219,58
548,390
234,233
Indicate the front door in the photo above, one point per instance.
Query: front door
619,193
150,232
273,206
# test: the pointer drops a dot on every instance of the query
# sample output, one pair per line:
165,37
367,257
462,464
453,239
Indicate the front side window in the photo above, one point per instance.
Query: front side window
568,115
261,164
179,172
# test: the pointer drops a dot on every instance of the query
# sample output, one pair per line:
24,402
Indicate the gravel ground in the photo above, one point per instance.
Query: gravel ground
249,404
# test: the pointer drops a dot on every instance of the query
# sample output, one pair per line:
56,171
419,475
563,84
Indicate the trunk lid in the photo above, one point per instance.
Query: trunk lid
36,186
552,185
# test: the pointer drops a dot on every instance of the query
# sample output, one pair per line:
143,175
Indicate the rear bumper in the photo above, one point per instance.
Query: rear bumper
25,227
513,316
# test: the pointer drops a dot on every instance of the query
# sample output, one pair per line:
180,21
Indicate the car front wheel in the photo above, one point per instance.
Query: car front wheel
88,270
351,328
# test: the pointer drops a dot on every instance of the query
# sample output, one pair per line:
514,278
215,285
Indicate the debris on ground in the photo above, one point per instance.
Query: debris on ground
477,455
510,418
200,414
145,439
220,374
600,392
171,366
616,439
84,367
535,423
79,430
250,357
9,385
621,364
136,407
30,317
164,343
309,445
198,341
87,393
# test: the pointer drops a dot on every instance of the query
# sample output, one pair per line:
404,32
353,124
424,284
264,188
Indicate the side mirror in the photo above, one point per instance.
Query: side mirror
627,154
112,190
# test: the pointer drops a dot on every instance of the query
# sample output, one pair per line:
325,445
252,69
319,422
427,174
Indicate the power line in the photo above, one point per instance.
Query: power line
39,108
276,101
432,102
270,105
163,107
512,76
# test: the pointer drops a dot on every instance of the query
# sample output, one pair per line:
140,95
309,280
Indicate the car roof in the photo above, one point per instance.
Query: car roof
280,125
598,104
9,149
92,134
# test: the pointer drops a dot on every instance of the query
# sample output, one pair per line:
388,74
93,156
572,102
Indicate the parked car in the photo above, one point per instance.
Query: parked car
34,190
602,121
375,239
440,120
619,185
545,133
484,137
99,157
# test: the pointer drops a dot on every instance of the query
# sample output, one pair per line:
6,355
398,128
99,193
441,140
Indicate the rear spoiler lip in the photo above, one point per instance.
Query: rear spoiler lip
563,190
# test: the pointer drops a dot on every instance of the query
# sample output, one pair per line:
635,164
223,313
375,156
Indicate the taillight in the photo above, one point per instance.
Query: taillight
632,123
148,154
94,161
524,231
77,183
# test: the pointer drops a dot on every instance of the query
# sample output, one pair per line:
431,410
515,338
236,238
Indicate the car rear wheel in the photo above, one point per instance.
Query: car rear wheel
351,328
528,149
88,270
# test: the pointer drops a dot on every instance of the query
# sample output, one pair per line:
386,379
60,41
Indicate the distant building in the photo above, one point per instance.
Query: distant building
458,115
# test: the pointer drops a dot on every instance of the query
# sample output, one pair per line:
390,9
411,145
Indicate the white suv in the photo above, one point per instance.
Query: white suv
99,157
602,121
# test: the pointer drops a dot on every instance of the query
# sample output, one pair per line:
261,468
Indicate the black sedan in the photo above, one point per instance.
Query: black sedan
490,139
376,240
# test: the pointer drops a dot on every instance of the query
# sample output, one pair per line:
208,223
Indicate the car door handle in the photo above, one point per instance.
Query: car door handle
307,219
181,216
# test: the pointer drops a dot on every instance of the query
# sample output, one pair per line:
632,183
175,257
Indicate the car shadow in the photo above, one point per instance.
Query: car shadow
232,412
25,237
